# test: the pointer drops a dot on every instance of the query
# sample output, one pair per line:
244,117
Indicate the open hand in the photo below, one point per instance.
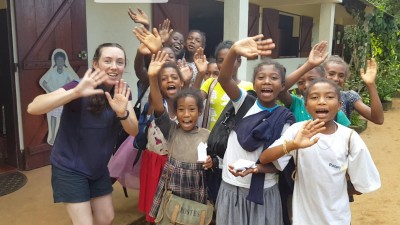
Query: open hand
318,53
186,71
119,101
252,47
139,17
151,40
89,82
370,75
165,30
241,173
307,131
200,60
157,61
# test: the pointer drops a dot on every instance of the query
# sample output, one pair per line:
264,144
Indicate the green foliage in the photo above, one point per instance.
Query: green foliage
376,35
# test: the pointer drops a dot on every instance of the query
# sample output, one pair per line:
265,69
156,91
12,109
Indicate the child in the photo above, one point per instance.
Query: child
95,110
194,40
185,173
326,150
252,199
338,70
304,75
212,69
155,156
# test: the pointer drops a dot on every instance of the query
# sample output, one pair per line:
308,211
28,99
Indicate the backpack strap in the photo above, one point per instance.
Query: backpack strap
207,108
245,107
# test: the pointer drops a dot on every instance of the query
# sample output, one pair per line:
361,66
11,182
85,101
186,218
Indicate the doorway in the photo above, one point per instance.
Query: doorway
10,154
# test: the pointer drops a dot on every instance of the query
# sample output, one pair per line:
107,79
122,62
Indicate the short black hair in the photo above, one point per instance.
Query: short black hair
59,54
203,36
322,80
190,92
267,62
222,45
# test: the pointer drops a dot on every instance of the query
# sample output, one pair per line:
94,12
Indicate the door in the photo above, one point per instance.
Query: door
41,27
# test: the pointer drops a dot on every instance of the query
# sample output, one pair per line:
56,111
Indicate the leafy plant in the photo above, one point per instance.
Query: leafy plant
377,35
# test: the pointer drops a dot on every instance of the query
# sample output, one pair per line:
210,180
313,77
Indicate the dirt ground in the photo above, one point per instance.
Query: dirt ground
383,141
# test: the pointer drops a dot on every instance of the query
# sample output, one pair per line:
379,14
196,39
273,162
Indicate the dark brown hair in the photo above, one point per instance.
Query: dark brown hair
98,102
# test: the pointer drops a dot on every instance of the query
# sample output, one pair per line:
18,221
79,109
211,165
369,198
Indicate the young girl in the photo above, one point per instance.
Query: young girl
338,70
95,110
155,156
185,173
252,199
323,151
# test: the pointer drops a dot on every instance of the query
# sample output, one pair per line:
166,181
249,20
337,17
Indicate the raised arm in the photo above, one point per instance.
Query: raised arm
154,68
375,112
87,86
250,47
317,56
139,65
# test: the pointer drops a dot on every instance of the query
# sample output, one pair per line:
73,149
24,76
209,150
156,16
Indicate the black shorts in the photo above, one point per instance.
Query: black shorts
70,187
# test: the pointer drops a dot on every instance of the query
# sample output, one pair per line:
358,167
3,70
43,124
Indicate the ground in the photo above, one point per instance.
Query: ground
383,141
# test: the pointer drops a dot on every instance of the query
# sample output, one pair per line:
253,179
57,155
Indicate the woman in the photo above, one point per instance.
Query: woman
95,109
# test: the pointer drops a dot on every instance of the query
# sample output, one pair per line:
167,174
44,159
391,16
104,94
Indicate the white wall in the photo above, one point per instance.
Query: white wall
109,22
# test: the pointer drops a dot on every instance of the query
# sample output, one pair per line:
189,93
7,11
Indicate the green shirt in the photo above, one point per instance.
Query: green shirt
298,108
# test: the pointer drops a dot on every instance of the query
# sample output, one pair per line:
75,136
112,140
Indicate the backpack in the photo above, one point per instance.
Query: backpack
218,140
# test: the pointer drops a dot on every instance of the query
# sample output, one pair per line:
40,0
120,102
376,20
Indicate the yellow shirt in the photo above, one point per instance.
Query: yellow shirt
219,99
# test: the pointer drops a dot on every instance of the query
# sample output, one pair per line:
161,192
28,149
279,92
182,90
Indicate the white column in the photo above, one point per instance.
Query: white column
326,23
236,26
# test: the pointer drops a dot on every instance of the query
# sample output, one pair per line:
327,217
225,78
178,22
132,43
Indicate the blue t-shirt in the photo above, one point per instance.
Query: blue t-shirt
85,140
298,108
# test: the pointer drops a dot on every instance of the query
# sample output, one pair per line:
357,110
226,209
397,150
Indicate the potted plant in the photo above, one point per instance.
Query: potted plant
358,123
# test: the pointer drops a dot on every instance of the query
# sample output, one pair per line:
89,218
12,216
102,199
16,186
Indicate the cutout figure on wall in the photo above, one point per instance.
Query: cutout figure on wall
59,74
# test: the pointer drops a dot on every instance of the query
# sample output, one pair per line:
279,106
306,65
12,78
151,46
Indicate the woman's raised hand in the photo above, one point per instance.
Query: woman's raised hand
119,101
252,47
157,61
89,82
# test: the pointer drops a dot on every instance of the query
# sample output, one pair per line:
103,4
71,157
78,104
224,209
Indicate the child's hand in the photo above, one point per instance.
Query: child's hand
89,82
186,70
307,131
120,100
318,53
165,30
208,164
151,40
139,17
370,76
200,60
241,173
143,49
252,47
157,61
